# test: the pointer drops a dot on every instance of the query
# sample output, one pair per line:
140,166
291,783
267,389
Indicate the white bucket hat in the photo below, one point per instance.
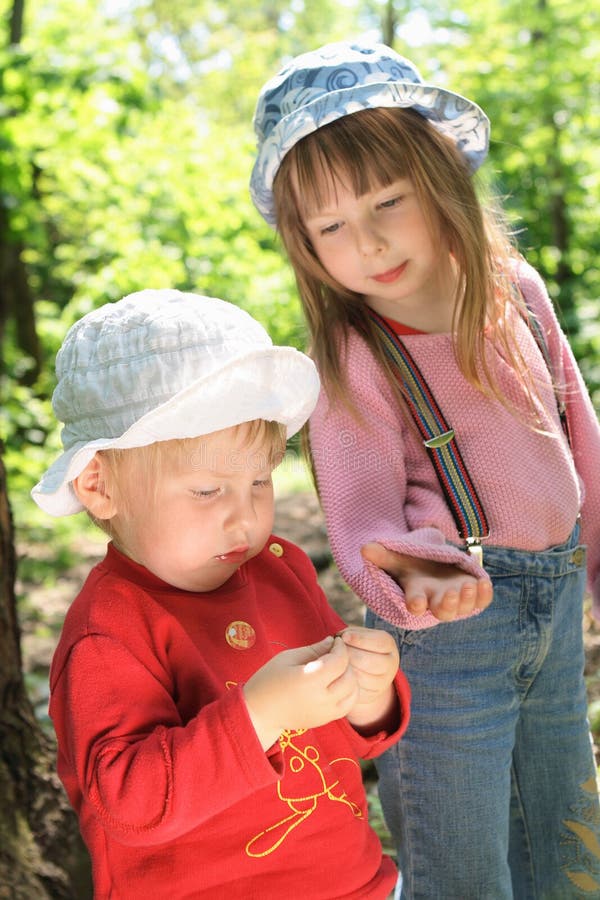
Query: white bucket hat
339,79
162,364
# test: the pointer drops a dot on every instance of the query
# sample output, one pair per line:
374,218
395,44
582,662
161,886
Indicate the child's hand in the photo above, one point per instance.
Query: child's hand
301,688
374,658
443,589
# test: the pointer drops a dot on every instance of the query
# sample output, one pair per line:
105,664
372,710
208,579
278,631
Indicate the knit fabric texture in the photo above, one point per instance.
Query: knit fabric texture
377,483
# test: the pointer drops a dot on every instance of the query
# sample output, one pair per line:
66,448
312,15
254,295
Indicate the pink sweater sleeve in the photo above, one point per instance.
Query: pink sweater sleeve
361,468
584,430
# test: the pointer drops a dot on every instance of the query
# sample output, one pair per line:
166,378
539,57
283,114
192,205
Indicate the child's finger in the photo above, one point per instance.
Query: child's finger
311,653
445,608
385,559
373,640
485,593
416,604
467,598
332,664
344,685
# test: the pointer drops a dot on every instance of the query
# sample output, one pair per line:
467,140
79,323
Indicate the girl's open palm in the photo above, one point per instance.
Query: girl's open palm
445,590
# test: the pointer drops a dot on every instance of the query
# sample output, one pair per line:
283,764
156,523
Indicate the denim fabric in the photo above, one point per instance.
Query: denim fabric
492,794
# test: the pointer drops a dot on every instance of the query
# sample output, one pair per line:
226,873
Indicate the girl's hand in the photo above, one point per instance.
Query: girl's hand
301,688
373,655
445,590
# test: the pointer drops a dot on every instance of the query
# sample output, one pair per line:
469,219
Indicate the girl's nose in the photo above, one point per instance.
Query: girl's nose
369,240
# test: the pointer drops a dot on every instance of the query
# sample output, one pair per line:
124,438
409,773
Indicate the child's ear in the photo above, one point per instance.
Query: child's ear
93,490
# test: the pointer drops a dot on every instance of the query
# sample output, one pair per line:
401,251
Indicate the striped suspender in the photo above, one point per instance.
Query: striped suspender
438,438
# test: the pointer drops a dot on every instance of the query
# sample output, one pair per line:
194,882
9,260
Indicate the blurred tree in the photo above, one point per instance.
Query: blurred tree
41,854
16,298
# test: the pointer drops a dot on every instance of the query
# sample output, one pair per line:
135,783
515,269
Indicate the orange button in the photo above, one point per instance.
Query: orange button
240,635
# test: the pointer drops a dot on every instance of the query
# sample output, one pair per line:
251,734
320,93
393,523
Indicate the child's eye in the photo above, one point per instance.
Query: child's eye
393,201
330,229
204,494
262,482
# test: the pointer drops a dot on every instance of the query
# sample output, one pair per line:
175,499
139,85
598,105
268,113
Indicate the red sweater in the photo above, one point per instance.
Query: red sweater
157,753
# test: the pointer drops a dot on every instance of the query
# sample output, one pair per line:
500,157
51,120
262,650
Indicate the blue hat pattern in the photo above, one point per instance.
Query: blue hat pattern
337,80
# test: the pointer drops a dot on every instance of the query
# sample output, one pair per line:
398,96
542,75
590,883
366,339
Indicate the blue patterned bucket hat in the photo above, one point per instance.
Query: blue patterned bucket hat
338,79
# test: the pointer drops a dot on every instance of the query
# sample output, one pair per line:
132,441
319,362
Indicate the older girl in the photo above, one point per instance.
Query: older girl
456,454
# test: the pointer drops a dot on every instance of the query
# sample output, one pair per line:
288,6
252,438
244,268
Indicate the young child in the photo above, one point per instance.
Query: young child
439,428
209,705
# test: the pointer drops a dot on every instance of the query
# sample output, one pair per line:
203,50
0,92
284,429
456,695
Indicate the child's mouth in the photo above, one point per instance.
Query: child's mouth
236,556
391,274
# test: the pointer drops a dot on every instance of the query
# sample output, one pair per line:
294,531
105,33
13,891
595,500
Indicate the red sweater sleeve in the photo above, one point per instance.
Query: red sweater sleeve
116,749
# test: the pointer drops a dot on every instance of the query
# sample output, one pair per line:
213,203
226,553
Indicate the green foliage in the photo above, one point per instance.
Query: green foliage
126,146
533,70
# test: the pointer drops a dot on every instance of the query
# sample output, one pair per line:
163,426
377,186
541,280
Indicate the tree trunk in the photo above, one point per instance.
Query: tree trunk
388,24
16,21
41,853
16,296
557,203
17,301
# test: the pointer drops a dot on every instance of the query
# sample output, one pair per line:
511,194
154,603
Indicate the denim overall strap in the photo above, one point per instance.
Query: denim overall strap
438,438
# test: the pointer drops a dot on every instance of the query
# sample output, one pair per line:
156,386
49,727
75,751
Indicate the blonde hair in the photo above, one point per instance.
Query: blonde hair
149,461
374,148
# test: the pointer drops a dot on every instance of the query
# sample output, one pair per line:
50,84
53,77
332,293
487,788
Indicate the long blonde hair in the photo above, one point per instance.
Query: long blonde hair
373,148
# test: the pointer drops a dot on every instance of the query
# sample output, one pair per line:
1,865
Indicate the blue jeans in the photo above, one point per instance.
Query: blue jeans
492,793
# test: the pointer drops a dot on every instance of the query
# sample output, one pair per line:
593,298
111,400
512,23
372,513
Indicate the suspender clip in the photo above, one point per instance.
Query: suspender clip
475,550
440,440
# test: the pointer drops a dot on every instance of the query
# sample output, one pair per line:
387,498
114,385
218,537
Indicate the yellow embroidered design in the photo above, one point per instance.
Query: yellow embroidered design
581,841
301,760
586,834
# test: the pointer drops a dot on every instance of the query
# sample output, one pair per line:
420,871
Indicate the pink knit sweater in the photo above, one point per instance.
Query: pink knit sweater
377,483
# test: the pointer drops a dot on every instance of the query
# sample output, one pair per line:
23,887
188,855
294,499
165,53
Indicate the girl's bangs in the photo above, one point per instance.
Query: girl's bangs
339,152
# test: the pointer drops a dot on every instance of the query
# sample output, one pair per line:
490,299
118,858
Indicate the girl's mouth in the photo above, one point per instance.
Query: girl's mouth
391,275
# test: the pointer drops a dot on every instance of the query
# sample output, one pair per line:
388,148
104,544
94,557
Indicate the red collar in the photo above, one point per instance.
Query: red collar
399,328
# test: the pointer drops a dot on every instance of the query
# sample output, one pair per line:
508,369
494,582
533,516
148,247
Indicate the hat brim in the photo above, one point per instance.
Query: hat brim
463,121
277,384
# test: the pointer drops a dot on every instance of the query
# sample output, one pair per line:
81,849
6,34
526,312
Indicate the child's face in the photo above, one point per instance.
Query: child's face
380,245
211,510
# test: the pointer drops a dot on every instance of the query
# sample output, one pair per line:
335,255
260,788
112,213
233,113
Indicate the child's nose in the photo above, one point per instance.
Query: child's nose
369,239
241,512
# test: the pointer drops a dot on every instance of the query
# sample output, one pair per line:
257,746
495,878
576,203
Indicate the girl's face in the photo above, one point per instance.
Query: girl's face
210,512
380,245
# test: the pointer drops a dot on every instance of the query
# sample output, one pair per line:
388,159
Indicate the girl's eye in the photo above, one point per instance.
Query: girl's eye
330,229
389,204
205,494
